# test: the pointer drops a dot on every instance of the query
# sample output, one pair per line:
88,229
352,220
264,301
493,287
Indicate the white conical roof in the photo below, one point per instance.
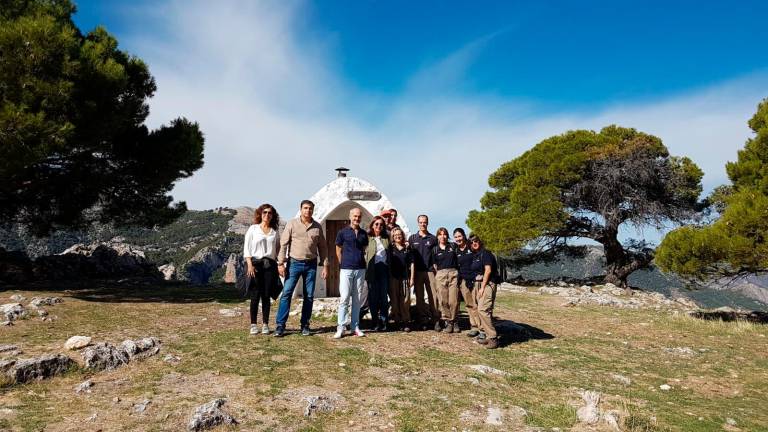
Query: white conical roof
336,193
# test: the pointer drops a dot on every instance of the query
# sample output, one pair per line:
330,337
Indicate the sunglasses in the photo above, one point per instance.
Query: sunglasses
266,212
378,224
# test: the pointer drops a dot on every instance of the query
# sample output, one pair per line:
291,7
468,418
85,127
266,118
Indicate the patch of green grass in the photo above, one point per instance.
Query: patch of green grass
552,415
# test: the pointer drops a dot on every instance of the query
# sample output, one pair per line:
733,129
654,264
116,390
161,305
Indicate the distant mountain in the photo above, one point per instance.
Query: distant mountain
750,293
200,243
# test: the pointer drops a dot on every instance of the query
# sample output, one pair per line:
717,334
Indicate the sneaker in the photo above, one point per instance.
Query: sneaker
279,332
339,332
473,333
254,329
492,343
305,331
358,332
456,328
407,329
265,329
384,328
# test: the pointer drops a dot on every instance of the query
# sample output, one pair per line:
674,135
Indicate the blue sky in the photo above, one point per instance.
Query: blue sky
438,82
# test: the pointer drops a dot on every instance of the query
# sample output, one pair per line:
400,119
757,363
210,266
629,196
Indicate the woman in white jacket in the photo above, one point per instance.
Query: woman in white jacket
260,249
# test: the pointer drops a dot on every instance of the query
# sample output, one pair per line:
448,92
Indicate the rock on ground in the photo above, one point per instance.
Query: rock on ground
141,406
8,348
210,415
104,356
44,301
22,371
317,404
494,417
18,298
680,351
230,313
589,413
487,370
13,311
77,342
141,348
84,387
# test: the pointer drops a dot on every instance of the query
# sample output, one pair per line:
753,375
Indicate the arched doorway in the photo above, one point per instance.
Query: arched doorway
337,219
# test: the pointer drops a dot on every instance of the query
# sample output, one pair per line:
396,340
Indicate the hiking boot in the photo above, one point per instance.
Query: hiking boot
279,332
473,333
438,326
254,329
449,327
339,332
492,343
265,329
456,328
305,331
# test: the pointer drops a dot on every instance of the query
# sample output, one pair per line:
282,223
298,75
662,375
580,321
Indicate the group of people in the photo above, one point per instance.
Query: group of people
441,274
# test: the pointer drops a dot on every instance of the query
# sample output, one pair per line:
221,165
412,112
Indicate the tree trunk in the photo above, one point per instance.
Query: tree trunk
618,264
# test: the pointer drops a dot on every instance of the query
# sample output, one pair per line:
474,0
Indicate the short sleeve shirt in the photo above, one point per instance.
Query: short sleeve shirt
444,258
464,258
352,248
481,259
422,250
401,262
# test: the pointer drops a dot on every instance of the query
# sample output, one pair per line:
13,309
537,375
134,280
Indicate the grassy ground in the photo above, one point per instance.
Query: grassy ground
393,381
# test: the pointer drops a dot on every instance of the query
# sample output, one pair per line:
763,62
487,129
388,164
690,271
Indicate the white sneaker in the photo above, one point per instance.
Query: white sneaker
358,332
339,332
254,329
265,329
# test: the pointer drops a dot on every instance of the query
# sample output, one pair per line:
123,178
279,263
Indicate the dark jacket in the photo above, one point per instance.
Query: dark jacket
244,283
370,257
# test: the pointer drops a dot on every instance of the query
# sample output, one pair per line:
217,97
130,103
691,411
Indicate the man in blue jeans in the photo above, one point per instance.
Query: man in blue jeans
350,251
304,240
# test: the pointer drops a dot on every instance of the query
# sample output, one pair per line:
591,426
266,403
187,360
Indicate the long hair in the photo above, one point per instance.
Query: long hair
443,230
274,223
383,226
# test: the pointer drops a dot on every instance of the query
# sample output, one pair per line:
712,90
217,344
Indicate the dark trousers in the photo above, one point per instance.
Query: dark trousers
259,289
378,286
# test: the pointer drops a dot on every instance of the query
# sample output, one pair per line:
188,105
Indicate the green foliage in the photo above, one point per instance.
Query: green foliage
73,145
586,184
737,242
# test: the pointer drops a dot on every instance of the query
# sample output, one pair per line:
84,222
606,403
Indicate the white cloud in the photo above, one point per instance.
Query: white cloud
278,119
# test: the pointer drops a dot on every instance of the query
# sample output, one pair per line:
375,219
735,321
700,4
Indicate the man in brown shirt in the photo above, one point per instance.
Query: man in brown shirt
303,242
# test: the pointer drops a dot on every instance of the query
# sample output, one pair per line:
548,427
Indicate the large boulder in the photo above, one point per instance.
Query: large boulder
104,356
22,371
12,311
209,415
168,271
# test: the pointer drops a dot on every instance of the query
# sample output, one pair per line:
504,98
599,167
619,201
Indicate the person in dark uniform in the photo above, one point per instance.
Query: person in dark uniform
466,282
377,273
486,272
446,278
424,274
401,272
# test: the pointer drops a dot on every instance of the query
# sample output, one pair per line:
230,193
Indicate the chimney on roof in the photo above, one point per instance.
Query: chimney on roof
341,172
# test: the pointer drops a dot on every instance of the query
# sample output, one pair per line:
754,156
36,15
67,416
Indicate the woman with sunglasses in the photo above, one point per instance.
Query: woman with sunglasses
260,249
377,272
486,271
401,279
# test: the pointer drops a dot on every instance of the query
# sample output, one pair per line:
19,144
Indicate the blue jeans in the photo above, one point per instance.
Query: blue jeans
350,286
378,287
307,271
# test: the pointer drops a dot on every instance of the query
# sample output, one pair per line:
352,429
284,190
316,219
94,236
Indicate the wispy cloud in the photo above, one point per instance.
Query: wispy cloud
278,118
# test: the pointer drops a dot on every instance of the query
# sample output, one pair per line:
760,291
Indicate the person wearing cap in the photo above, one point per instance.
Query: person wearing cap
446,278
466,281
303,236
486,271
422,243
